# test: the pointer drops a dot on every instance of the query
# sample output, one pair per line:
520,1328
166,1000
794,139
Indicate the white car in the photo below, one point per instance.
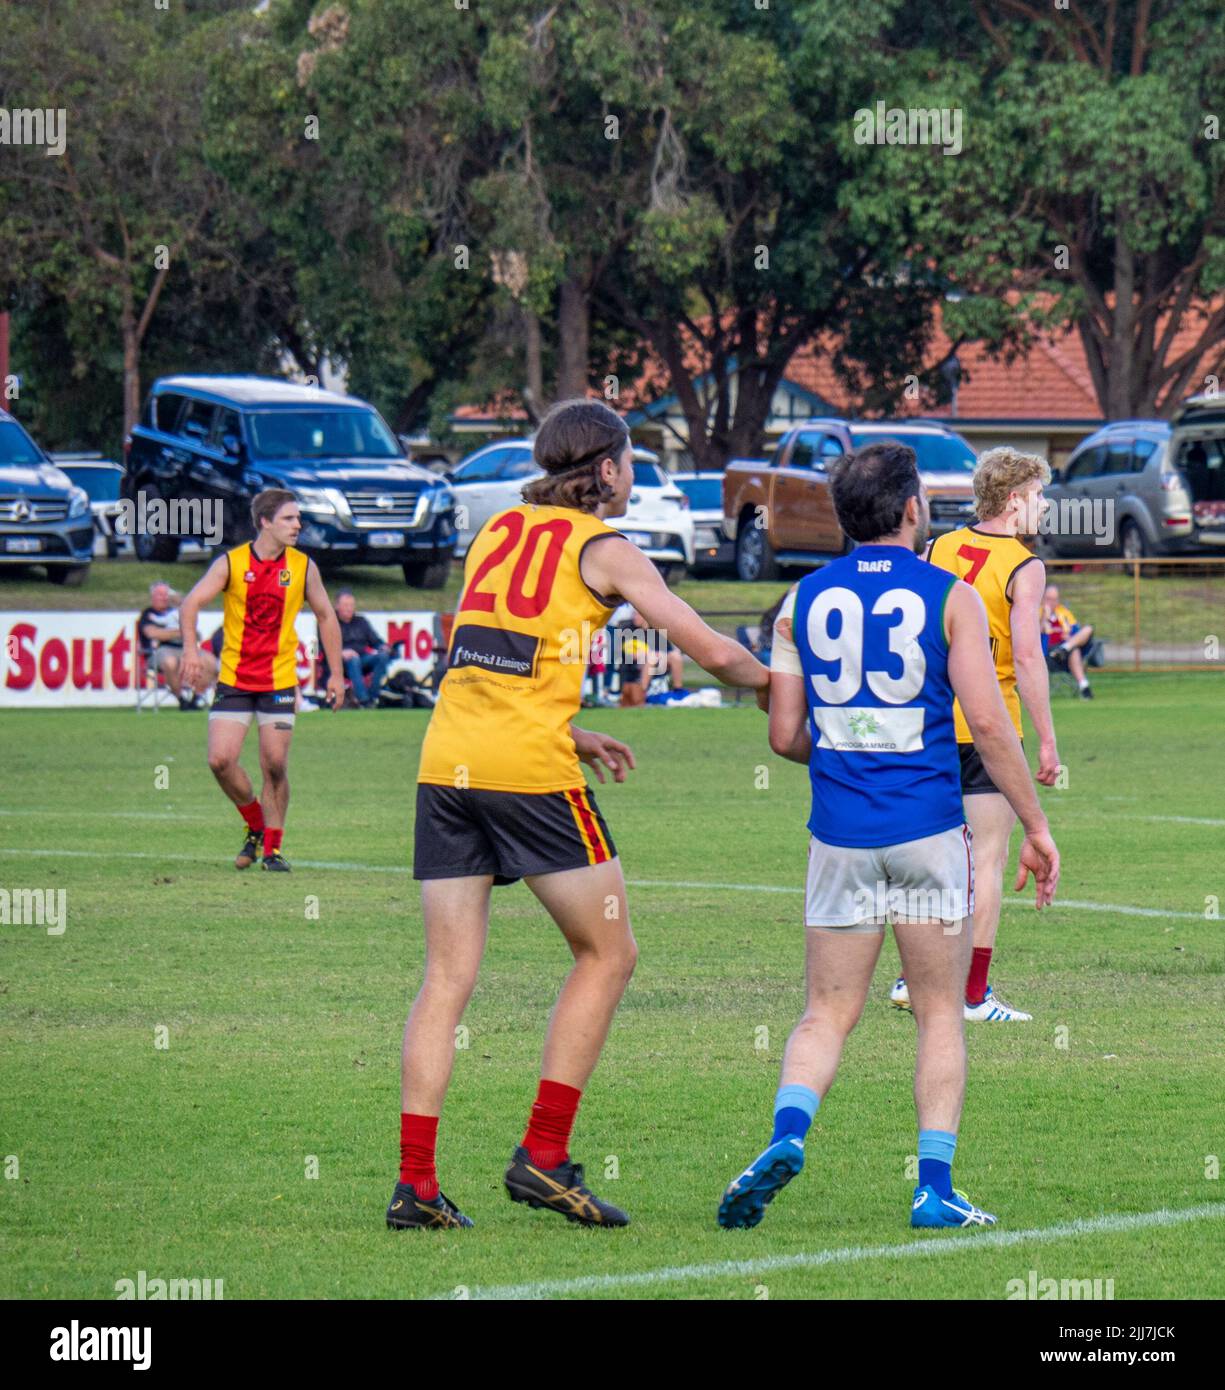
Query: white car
657,519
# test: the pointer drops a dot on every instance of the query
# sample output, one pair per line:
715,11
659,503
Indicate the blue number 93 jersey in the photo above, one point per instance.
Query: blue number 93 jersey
869,629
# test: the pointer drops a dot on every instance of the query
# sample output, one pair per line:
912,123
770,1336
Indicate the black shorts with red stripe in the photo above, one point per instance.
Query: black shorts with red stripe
462,832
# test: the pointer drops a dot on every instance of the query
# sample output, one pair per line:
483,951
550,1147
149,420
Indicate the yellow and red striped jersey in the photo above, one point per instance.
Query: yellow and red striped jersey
518,656
262,598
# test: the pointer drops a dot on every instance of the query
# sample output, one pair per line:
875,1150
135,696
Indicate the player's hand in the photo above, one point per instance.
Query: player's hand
335,696
1040,857
763,698
600,751
192,673
1048,763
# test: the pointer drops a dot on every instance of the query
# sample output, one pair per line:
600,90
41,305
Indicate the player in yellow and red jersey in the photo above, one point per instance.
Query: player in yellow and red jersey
501,796
264,584
1009,578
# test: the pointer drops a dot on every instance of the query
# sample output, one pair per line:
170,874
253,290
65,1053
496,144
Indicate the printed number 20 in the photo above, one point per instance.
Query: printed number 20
520,603
847,648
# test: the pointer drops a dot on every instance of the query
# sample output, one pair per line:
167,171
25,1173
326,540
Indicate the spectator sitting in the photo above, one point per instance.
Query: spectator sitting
366,656
162,641
1063,636
645,659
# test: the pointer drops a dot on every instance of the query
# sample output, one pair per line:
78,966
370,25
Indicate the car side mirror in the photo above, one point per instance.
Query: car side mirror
1056,474
232,445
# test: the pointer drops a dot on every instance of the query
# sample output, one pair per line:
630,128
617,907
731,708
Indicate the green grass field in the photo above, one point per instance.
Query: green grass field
191,1159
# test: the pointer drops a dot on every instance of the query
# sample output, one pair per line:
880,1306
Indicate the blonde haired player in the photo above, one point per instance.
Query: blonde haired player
1010,580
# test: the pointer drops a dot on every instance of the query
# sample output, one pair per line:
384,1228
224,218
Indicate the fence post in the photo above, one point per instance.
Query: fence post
1135,608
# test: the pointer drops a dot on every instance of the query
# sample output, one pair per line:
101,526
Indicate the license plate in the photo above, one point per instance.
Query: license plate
639,539
24,545
385,540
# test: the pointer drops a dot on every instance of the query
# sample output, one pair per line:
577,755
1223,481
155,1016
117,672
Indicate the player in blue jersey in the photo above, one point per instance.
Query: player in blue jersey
868,654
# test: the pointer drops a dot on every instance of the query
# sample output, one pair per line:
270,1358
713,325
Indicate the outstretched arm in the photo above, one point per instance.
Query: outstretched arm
615,566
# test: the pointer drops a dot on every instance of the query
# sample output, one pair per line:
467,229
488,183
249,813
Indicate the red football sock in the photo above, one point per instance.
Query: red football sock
253,814
272,838
418,1136
976,985
548,1132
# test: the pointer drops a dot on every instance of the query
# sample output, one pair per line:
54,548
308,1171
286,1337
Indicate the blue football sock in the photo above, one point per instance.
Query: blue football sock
936,1150
794,1107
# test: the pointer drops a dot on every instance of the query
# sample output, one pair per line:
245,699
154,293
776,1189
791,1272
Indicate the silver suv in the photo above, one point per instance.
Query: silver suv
1144,487
44,518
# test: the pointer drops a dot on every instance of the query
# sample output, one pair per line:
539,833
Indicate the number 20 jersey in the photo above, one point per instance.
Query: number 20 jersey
869,630
518,656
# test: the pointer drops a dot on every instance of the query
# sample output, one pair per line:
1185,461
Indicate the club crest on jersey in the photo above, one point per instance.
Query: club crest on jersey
249,577
283,579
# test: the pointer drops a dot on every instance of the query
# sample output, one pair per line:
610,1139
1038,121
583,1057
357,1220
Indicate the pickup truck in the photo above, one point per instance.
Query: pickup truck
781,512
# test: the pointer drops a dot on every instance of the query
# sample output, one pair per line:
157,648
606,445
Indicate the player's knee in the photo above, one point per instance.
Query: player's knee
219,764
275,770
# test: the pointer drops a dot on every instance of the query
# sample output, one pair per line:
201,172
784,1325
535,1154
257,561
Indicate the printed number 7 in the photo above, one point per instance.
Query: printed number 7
977,557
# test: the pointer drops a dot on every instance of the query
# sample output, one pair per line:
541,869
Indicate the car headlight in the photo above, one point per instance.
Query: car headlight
79,502
442,500
320,501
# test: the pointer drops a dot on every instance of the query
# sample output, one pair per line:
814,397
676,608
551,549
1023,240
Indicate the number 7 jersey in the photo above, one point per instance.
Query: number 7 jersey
869,636
518,656
987,563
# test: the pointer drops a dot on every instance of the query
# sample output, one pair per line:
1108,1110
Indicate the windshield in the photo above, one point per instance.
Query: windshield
936,453
102,484
649,475
704,494
16,446
321,434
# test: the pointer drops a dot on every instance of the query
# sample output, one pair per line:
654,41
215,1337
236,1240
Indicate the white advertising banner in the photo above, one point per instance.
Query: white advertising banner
92,658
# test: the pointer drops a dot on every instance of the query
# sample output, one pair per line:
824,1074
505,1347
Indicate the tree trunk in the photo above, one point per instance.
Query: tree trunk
535,365
574,336
131,365
1118,404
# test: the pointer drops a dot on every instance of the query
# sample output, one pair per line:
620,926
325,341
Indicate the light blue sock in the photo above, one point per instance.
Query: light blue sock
794,1107
936,1150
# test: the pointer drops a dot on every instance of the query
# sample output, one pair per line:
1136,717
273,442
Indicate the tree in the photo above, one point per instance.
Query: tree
1091,190
105,226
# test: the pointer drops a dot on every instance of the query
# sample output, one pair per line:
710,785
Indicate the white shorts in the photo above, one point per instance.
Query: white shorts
927,880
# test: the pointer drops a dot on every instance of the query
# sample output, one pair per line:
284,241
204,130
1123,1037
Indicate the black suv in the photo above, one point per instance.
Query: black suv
218,440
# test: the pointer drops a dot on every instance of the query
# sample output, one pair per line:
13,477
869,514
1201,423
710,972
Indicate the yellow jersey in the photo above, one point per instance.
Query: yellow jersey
262,599
987,563
518,654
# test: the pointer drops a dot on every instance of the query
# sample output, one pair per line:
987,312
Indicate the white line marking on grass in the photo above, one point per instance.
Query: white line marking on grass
74,814
917,1249
1073,904
1186,820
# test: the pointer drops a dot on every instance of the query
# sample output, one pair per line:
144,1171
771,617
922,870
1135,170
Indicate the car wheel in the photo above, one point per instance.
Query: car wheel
429,574
1134,546
155,550
755,558
70,576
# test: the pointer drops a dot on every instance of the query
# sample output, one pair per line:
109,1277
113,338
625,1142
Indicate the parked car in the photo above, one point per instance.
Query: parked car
780,512
102,479
44,517
712,548
222,439
1144,487
657,519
